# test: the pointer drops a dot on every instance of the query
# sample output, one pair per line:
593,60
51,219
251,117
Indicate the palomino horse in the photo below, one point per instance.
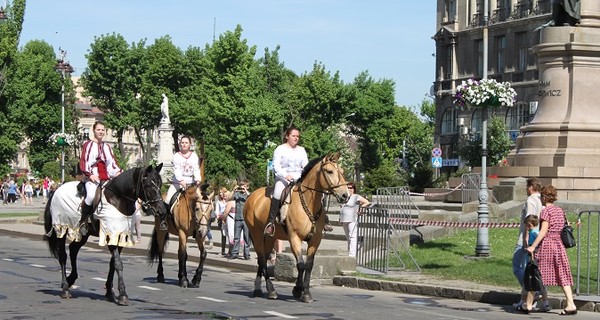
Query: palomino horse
114,229
304,222
191,215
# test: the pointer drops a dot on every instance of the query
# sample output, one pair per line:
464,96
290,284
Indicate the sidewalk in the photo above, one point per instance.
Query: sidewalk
332,244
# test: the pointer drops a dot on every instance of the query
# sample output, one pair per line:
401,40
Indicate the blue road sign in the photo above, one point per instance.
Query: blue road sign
436,162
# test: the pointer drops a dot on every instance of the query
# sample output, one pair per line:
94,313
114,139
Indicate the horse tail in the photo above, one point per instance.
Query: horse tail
153,253
50,234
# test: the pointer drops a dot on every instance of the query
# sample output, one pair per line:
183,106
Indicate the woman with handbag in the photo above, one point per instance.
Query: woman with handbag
551,255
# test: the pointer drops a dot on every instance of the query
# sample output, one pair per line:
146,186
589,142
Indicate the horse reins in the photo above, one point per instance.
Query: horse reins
145,203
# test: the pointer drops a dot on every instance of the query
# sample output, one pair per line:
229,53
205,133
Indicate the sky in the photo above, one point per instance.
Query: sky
388,38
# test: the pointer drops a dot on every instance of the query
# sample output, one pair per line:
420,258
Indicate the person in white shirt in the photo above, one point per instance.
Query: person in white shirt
289,160
349,217
186,171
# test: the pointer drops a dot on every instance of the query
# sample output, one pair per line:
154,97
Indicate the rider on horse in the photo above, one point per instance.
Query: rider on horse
98,165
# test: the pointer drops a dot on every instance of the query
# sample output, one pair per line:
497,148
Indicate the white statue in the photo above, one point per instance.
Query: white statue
164,109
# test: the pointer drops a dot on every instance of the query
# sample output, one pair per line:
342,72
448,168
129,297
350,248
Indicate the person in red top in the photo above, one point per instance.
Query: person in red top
98,165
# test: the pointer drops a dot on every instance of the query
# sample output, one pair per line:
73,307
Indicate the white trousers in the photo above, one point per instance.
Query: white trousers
351,230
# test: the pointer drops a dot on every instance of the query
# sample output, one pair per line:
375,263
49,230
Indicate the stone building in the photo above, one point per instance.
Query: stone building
459,57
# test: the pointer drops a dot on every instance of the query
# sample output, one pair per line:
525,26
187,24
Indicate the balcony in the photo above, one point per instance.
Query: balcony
522,10
500,15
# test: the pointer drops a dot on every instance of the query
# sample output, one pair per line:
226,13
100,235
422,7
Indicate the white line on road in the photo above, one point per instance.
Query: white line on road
8,259
99,279
37,265
149,288
211,299
281,315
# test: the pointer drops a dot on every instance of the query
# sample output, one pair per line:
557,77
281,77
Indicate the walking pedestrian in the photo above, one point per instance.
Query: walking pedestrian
349,217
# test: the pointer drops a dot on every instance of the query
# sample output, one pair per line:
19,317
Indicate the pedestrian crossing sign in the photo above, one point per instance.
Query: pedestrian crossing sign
436,162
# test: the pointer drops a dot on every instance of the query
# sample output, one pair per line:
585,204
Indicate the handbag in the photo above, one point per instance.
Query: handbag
566,235
532,278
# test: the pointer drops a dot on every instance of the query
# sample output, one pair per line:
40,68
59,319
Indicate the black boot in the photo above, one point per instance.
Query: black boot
163,218
270,227
87,212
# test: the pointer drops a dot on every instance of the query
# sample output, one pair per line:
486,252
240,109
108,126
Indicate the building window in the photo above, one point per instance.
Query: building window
448,67
517,116
479,55
477,121
500,54
450,10
449,121
523,51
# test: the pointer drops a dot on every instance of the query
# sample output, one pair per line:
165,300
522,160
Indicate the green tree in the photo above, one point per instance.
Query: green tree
108,79
10,31
498,144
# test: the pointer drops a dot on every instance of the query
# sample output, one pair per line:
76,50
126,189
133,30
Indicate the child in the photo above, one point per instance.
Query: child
532,223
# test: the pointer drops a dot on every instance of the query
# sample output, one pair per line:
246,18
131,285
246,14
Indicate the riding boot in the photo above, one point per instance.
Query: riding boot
327,227
163,218
270,228
86,214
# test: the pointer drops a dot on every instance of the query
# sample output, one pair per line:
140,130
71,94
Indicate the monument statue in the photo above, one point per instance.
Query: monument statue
164,109
564,12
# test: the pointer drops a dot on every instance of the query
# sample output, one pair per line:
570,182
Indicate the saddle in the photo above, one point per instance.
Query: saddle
82,192
286,198
174,200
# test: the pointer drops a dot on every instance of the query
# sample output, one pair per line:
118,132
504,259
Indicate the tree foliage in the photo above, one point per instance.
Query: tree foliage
498,144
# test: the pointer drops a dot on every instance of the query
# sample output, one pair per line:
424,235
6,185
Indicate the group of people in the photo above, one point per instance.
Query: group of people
10,190
539,239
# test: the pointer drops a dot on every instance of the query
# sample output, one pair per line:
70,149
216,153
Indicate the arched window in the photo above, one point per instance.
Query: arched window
449,121
477,120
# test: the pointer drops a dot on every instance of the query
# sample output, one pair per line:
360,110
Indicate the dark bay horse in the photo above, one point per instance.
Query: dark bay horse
305,221
191,215
114,225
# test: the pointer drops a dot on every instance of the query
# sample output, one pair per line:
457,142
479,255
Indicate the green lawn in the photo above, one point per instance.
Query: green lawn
452,257
18,215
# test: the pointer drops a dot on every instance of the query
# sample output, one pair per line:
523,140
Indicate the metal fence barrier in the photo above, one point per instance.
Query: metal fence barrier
380,239
588,253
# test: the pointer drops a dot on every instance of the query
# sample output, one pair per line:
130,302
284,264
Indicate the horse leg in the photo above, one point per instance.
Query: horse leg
62,260
182,257
160,239
117,265
73,252
269,243
308,266
301,267
110,295
203,253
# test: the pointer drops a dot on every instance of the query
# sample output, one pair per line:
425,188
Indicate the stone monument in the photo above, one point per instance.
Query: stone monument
165,141
561,145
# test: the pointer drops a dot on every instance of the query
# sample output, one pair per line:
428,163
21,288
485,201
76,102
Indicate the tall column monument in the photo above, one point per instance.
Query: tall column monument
165,141
561,145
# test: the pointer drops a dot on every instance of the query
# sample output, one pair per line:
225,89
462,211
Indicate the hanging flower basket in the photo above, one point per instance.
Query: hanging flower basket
62,139
484,93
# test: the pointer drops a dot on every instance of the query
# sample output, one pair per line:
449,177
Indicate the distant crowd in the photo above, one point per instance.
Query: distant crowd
24,191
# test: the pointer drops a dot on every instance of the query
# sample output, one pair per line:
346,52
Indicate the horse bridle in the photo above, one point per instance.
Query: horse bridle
203,201
330,187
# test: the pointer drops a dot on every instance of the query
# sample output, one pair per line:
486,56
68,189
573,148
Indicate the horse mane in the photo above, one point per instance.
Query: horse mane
311,164
122,182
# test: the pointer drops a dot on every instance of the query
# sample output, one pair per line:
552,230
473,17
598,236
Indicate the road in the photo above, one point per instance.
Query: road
30,280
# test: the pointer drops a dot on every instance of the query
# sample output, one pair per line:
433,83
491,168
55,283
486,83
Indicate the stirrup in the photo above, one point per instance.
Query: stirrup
269,229
83,228
163,225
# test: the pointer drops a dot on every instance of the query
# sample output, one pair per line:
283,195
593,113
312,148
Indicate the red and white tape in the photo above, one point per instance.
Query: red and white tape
451,224
432,194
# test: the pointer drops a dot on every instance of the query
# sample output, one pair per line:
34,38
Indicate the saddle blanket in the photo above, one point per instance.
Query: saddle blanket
116,228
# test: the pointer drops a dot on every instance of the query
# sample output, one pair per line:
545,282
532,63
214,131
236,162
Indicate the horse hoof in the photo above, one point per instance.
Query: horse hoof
258,293
66,294
123,300
183,284
273,295
307,298
297,292
110,297
160,279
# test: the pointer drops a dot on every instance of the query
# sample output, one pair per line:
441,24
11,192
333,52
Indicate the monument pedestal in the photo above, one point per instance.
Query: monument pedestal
561,145
165,150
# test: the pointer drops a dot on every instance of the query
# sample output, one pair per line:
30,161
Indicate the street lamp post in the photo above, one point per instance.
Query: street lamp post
482,248
64,68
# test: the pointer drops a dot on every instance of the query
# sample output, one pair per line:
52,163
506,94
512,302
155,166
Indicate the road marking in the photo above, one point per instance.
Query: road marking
99,279
149,288
8,259
281,315
37,265
211,299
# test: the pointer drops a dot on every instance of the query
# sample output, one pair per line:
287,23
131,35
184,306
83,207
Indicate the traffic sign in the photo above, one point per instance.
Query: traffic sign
436,152
436,162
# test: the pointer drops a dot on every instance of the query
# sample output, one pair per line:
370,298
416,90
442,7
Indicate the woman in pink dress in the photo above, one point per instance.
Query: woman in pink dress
551,255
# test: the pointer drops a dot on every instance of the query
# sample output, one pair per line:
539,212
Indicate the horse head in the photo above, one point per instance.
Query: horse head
150,185
203,208
332,177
